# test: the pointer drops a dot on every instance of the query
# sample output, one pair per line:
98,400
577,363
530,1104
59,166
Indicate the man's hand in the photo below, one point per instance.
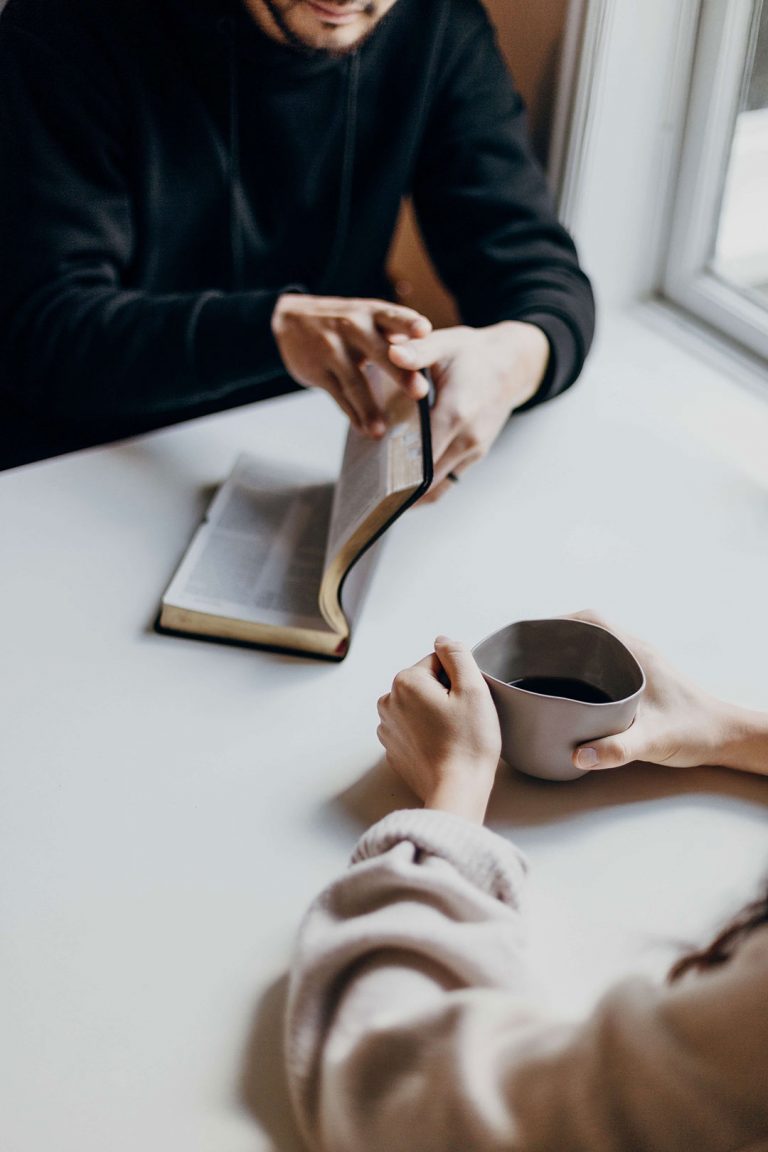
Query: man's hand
480,375
444,742
326,342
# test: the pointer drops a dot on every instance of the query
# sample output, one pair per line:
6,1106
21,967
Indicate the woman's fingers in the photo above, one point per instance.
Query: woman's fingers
459,664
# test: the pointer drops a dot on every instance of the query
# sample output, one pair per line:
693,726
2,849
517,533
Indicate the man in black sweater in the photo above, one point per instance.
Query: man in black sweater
197,200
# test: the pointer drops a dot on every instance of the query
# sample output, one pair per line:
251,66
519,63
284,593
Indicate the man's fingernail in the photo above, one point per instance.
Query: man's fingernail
586,758
377,427
406,356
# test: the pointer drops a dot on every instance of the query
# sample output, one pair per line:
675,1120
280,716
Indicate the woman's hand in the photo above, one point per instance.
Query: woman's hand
443,741
326,342
678,723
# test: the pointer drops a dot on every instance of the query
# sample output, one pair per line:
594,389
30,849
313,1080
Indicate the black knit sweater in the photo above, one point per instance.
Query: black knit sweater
167,171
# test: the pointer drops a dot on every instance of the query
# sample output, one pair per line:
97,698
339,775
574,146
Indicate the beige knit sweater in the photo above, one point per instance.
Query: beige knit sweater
411,1027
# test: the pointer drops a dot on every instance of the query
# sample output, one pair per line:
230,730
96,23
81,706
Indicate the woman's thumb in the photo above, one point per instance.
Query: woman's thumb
610,752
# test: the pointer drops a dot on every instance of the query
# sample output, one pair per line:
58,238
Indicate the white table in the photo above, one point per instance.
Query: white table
169,807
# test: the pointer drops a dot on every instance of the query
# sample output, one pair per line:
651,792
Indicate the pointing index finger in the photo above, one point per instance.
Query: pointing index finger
396,321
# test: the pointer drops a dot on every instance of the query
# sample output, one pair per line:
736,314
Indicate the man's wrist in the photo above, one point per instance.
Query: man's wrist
530,354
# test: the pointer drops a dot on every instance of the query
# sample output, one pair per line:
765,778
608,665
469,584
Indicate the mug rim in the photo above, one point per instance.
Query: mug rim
566,700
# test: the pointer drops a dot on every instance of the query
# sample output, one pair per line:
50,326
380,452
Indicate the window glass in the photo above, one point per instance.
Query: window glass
741,243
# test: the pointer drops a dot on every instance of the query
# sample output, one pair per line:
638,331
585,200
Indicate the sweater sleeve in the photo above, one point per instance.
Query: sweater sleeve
486,212
74,338
411,1023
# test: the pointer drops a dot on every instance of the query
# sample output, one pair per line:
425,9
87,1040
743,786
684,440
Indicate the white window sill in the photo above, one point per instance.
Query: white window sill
683,382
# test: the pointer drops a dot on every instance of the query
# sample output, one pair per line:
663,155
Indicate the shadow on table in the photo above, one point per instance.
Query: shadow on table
263,1088
525,801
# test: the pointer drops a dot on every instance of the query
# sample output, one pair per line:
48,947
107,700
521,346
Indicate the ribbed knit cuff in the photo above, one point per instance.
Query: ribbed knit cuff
565,356
233,340
479,855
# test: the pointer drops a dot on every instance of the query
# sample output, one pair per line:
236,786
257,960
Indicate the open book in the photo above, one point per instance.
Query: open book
282,559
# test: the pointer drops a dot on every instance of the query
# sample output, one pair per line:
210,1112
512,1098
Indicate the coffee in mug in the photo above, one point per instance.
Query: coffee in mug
556,684
566,687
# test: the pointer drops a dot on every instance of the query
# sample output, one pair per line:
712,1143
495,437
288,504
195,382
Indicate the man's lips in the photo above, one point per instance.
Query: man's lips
332,15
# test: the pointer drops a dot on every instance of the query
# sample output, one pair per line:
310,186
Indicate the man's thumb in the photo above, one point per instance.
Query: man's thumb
458,662
610,752
423,353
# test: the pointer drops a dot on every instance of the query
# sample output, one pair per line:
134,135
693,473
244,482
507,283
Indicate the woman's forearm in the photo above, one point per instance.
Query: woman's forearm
411,1024
745,741
428,911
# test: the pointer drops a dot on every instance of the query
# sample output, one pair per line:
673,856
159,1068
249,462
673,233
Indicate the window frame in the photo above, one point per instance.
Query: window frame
726,39
628,146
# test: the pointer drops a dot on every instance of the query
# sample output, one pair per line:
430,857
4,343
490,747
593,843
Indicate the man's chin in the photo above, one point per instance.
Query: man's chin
303,27
331,42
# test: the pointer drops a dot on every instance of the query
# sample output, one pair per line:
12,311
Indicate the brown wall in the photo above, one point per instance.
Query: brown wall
530,33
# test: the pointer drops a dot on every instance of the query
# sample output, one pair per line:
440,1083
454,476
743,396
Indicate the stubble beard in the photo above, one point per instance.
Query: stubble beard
295,41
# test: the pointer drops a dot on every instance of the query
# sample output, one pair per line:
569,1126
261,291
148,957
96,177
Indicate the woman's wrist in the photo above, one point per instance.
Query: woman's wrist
462,795
744,741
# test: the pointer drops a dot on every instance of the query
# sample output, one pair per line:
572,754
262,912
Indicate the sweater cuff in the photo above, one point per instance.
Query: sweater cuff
565,356
482,857
233,342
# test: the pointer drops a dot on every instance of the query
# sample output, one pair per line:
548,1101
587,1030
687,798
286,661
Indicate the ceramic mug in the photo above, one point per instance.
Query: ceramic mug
539,727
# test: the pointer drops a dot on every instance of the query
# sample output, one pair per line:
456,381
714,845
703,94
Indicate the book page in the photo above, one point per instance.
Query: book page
373,469
259,556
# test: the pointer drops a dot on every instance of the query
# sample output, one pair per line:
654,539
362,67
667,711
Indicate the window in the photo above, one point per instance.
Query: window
717,265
